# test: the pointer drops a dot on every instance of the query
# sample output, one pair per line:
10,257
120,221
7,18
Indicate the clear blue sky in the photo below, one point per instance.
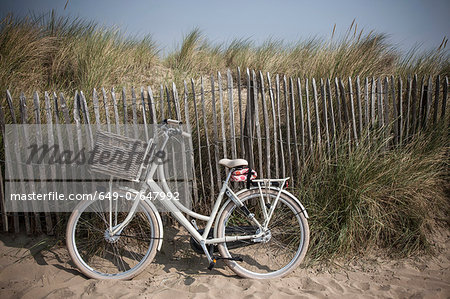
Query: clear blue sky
408,23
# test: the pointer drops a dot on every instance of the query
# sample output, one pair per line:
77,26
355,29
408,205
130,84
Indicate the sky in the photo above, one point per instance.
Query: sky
408,23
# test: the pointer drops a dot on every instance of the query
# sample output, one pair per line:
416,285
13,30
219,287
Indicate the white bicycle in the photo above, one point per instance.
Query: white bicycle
260,231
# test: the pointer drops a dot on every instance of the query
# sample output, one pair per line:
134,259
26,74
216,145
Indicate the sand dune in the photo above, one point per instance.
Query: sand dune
177,272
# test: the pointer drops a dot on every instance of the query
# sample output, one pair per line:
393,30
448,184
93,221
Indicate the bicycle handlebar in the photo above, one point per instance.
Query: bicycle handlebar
179,123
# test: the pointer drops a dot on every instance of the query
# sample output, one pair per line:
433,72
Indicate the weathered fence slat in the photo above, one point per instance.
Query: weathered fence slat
190,144
215,133
24,120
344,103
151,105
302,119
205,124
144,114
385,102
222,116
275,126
249,121
288,126
394,111
231,121
400,110
134,111
116,110
333,122
358,104
408,107
422,103
380,103
257,122
316,110
414,105
241,123
96,108
16,137
198,137
66,120
169,108
352,108
42,170
338,104
437,88
277,93
266,123
372,101
325,115
59,137
429,97
106,107
176,103
2,191
125,112
308,119
444,98
294,124
366,104
50,140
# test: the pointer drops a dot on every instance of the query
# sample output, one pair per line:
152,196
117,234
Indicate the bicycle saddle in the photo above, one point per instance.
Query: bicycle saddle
233,163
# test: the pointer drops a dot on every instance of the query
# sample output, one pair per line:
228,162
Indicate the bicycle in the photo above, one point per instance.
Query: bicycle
260,231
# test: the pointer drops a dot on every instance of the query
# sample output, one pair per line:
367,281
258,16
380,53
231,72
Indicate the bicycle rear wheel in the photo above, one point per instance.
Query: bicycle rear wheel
276,254
101,256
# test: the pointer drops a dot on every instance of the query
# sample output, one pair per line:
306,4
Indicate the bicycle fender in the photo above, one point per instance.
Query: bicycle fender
160,223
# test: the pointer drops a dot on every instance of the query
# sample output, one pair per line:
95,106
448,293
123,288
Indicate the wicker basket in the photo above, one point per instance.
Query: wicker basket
119,156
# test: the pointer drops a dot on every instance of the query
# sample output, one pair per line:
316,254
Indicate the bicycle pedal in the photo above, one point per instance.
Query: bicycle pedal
212,264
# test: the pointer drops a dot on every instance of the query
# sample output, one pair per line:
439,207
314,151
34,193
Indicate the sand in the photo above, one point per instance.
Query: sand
177,272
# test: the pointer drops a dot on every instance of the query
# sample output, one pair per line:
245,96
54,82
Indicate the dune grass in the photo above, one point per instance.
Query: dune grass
373,198
47,52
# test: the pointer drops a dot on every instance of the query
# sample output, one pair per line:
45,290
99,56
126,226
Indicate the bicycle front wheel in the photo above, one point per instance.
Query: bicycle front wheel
282,248
99,255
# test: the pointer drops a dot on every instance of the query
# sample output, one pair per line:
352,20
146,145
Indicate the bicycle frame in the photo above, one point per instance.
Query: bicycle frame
177,209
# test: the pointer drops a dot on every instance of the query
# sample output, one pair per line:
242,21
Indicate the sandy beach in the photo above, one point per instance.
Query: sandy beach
178,272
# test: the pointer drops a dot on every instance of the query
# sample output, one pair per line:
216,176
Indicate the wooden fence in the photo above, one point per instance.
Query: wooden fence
277,123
